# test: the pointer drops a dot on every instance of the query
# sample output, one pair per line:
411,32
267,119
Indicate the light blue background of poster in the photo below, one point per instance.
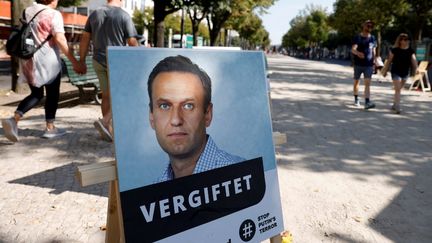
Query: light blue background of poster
241,122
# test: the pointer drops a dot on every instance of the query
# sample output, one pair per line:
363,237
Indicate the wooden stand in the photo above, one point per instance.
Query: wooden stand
107,172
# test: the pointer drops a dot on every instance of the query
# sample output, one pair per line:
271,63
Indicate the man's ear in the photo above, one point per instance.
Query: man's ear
209,115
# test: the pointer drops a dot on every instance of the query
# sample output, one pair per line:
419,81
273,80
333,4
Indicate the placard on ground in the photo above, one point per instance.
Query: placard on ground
235,203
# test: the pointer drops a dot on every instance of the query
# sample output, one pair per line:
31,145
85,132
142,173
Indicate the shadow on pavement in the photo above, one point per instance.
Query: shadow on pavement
332,135
81,145
62,179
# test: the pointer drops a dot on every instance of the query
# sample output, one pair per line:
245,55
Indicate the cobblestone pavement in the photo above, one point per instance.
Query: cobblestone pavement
40,199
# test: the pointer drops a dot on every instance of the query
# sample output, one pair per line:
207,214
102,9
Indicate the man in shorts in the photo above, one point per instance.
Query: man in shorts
108,25
363,50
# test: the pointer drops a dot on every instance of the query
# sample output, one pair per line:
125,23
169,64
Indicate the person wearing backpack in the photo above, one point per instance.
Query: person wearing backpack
43,69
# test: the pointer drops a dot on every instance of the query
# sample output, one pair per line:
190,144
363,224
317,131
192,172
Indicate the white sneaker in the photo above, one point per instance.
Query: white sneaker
357,103
10,129
53,133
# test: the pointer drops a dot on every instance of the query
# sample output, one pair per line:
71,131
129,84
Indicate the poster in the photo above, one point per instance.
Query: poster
230,197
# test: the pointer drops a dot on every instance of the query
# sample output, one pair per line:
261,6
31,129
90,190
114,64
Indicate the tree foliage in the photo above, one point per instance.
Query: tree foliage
138,19
309,29
216,12
420,15
69,3
347,18
391,17
246,20
252,31
197,12
163,8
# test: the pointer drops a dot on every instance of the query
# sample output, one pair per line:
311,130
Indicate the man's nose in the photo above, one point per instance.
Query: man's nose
176,118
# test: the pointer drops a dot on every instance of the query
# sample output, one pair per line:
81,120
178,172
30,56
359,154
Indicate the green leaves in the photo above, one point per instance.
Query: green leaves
309,28
68,3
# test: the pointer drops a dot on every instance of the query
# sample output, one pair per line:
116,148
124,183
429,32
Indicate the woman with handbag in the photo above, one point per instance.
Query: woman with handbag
43,70
401,59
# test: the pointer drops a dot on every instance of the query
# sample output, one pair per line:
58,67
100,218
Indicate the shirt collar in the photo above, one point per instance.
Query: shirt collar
208,153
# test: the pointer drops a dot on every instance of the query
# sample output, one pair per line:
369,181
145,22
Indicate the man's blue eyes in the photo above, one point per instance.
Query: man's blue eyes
164,106
187,106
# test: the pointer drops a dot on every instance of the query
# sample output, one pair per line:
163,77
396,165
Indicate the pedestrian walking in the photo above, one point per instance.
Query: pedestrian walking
43,70
108,25
401,58
363,49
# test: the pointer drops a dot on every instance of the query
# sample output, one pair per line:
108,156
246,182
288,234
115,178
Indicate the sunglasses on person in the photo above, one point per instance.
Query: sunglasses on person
369,26
404,39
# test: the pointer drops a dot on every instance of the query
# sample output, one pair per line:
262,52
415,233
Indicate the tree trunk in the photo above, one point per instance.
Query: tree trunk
195,26
379,41
214,33
159,25
17,8
418,31
159,34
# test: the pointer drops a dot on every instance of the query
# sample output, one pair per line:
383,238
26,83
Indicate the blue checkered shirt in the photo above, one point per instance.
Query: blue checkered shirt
210,159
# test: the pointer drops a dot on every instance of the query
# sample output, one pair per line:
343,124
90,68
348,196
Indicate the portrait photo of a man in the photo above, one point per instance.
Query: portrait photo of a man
193,144
180,111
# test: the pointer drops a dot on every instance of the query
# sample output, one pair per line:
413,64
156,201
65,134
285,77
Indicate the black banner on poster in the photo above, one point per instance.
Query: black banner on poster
160,210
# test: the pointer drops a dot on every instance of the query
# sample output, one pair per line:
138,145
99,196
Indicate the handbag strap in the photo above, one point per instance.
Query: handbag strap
48,37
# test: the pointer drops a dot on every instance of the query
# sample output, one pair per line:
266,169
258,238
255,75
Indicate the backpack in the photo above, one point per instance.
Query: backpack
21,42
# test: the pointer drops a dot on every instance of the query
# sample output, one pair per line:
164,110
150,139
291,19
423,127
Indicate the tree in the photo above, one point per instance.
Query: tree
220,12
422,12
308,30
250,28
162,8
138,19
149,23
68,3
347,18
296,38
383,15
316,25
197,11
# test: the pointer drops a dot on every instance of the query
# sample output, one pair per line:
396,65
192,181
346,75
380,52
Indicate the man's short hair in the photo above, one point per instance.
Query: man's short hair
180,64
368,22
44,2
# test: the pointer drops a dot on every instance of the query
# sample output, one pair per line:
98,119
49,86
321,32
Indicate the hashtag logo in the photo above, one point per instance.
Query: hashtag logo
247,230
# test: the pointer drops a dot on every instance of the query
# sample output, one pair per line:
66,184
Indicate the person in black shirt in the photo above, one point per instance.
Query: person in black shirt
363,50
401,59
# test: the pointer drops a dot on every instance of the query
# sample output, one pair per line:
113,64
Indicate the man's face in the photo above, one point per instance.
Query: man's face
179,116
368,27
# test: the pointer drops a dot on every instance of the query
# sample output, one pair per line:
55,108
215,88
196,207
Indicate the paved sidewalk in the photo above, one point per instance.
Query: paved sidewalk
40,199
346,175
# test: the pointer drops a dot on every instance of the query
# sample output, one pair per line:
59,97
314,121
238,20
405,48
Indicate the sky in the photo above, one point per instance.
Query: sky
277,20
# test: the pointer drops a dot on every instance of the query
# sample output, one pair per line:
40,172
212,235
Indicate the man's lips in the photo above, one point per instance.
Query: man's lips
177,134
